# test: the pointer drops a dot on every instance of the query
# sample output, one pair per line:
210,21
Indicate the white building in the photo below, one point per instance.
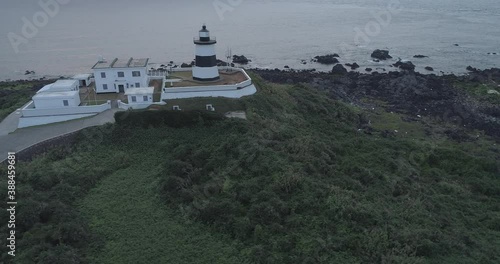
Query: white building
118,75
140,95
84,79
56,99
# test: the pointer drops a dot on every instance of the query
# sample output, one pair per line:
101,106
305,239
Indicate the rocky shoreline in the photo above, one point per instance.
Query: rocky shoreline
407,92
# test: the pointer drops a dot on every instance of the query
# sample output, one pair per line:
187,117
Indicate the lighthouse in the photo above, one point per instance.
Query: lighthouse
205,68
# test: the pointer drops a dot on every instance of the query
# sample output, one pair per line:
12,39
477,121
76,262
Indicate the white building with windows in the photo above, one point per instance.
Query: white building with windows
117,76
140,95
56,99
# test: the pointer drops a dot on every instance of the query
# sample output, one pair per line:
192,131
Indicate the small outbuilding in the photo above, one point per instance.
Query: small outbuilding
140,95
54,100
84,80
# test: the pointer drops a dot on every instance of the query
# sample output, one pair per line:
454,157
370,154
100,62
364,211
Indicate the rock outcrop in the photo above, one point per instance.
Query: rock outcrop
381,54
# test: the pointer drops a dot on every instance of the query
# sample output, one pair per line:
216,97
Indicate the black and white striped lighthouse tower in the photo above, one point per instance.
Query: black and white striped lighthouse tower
205,68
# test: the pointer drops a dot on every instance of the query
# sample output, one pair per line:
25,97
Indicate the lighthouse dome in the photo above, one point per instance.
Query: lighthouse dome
204,34
204,29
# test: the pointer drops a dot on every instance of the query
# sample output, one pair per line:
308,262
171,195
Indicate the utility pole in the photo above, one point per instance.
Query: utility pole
229,55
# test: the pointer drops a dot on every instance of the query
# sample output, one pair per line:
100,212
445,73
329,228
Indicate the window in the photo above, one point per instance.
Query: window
121,74
105,87
65,103
136,74
145,98
103,75
137,85
134,99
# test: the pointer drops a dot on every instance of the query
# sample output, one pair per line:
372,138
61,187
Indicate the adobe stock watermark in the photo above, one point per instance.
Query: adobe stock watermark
224,6
40,19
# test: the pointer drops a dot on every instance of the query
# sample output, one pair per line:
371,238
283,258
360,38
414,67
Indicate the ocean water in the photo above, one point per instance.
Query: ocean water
272,33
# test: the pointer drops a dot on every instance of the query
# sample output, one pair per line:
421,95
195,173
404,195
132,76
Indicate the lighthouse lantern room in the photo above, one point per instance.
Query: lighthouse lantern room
205,68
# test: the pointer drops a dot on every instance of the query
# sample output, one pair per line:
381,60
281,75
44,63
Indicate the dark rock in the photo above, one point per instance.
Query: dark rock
368,69
456,45
429,68
471,69
339,69
185,65
327,59
407,66
381,54
221,63
375,60
353,66
420,56
171,62
287,67
240,59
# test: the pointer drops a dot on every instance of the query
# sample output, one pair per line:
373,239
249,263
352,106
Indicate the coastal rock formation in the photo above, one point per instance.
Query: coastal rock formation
406,92
381,54
339,69
429,68
471,69
368,69
327,59
407,66
353,66
420,56
240,59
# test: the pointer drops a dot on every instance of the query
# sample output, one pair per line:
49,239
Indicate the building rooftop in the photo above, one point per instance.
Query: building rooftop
49,95
64,83
119,63
140,91
83,76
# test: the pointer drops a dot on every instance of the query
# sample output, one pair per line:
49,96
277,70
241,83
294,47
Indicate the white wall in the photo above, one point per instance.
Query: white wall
112,79
29,111
125,106
231,91
44,120
249,90
140,99
50,103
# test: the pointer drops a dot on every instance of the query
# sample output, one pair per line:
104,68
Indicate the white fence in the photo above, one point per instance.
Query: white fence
125,106
31,111
207,88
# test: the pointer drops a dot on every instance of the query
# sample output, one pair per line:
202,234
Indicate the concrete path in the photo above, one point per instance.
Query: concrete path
9,124
27,137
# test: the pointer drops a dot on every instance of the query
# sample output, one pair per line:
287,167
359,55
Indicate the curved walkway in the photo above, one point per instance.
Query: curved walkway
24,138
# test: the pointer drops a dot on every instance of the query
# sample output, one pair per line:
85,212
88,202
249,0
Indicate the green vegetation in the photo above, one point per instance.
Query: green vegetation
15,95
222,105
295,183
486,92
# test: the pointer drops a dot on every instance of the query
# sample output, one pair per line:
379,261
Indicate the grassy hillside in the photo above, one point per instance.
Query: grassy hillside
297,182
14,95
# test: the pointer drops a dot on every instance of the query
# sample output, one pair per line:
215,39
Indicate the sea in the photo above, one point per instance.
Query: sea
65,37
